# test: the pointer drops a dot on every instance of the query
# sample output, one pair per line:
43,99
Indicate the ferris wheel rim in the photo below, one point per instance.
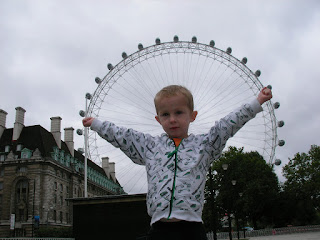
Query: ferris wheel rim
167,48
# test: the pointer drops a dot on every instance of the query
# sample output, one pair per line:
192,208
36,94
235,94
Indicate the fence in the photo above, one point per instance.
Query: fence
265,232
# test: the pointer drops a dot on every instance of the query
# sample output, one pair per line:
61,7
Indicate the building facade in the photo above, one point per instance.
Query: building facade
39,173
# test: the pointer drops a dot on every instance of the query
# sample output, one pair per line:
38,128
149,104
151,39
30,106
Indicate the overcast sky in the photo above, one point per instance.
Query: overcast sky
51,52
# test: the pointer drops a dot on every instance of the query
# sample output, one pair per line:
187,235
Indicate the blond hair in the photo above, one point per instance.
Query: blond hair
174,90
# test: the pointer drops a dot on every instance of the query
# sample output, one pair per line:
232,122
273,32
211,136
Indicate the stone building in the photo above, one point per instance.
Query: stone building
39,172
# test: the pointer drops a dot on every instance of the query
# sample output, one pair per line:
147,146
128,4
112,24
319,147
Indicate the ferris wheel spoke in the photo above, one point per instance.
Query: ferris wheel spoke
137,180
132,177
224,95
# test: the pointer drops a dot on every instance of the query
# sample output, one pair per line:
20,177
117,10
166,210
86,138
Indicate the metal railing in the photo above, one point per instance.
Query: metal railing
265,232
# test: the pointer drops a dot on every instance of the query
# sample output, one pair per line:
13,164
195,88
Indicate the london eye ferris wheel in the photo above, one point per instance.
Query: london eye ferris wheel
218,81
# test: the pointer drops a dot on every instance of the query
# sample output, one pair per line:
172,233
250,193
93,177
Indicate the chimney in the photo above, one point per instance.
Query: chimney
112,171
105,166
68,139
19,123
3,115
56,129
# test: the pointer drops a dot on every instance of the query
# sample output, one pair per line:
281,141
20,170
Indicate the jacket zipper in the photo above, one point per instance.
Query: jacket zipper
175,152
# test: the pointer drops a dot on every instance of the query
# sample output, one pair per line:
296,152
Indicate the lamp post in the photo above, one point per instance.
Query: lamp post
212,193
79,131
237,220
88,97
233,183
213,212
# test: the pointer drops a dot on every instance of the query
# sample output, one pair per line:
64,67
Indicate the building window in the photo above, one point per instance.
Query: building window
1,172
55,186
55,199
61,217
2,157
61,187
21,200
67,217
19,147
54,215
26,153
7,148
61,200
1,185
21,169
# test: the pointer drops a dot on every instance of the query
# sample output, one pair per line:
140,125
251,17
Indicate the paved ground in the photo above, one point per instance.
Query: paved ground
297,236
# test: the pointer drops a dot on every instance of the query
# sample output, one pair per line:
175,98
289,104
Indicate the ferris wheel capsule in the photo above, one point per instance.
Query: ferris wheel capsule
229,50
176,39
269,86
110,67
257,73
124,55
158,42
281,143
79,132
88,96
82,113
212,43
276,105
281,123
140,46
80,150
277,162
97,80
244,60
194,39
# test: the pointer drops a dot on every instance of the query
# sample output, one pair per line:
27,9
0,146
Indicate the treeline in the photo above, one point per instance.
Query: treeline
243,190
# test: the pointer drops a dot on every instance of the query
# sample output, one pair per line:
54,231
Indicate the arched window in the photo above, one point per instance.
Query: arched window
21,200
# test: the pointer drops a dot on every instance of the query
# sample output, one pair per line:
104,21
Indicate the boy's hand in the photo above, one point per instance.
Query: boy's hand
87,121
264,95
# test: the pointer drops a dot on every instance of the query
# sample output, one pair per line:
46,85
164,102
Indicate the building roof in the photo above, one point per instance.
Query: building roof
33,137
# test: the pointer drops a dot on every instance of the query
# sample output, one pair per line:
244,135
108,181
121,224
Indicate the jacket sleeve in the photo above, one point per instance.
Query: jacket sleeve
131,142
229,125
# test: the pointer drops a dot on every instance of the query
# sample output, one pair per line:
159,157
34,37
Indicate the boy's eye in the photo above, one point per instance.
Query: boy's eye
179,112
165,114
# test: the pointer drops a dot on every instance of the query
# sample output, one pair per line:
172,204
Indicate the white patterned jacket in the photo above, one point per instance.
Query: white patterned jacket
176,179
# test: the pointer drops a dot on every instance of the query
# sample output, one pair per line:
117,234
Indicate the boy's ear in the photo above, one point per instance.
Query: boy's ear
157,118
194,115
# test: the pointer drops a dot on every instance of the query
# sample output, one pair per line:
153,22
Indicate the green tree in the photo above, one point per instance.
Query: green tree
256,182
302,187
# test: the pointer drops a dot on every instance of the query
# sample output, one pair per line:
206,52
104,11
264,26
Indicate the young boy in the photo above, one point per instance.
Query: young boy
176,162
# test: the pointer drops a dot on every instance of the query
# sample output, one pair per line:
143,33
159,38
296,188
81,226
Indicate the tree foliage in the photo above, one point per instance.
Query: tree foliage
302,186
256,182
263,203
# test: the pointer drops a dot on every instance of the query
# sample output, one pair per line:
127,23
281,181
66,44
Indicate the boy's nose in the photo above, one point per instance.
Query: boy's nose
172,119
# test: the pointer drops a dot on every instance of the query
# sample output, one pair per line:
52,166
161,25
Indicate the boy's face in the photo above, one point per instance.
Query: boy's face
174,115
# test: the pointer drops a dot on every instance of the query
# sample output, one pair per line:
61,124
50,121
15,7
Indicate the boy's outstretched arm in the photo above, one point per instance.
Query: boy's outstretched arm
264,95
87,121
